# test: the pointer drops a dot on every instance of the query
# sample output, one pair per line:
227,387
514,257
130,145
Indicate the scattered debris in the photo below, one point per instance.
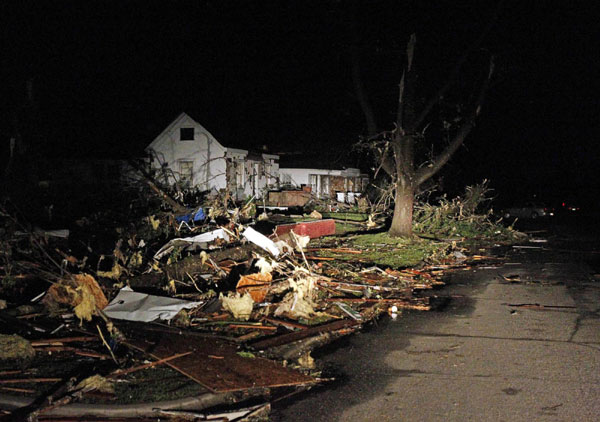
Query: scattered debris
240,305
230,303
134,306
261,240
201,240
228,372
81,292
312,229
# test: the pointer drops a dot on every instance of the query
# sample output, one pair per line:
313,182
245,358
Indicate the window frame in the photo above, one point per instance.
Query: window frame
182,164
187,130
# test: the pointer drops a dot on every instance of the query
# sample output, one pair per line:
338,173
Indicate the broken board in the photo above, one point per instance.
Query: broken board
215,363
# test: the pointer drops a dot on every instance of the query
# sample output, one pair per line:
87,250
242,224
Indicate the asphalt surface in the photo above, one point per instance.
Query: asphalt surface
484,356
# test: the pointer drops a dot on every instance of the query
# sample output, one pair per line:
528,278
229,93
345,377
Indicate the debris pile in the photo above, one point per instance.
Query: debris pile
222,308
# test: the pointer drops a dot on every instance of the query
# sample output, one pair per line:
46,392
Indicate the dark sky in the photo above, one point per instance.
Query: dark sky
109,76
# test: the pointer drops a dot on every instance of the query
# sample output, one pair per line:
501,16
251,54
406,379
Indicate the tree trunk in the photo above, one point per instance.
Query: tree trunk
403,211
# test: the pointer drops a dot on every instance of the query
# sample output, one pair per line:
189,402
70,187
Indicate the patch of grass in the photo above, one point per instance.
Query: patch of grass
342,228
349,216
394,252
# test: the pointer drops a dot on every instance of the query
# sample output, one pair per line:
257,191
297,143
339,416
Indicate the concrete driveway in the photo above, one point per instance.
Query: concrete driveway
491,355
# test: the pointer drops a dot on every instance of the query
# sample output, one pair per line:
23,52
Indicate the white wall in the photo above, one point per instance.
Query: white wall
206,154
301,176
209,160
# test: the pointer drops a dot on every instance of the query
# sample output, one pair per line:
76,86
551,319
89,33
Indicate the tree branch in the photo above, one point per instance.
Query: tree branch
425,173
406,73
385,161
455,71
361,94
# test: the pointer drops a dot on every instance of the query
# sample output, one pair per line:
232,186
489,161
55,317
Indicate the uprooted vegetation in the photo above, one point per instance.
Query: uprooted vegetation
468,216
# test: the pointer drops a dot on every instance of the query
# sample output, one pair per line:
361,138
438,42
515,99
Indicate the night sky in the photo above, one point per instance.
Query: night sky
107,77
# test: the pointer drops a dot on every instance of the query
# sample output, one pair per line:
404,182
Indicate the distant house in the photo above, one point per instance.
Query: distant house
188,153
343,185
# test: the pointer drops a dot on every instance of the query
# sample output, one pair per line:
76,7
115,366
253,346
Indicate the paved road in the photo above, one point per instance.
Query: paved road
479,359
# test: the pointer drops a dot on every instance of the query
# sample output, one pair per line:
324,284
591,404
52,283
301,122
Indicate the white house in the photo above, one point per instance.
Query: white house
340,184
186,152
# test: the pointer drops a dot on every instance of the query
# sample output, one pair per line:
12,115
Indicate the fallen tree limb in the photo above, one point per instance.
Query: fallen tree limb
139,409
299,335
191,265
418,305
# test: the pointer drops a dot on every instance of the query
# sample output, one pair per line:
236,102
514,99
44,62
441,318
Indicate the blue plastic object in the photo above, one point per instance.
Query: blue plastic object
195,217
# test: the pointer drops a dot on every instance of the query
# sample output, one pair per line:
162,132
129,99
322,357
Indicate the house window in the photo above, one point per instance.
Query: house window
186,134
325,192
239,173
313,182
186,171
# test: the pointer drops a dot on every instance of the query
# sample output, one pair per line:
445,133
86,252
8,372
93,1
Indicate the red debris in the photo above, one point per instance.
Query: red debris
311,229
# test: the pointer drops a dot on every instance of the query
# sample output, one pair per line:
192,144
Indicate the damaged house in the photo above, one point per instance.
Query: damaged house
343,185
187,153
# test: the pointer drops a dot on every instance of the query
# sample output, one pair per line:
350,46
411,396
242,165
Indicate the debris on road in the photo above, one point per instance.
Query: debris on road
223,306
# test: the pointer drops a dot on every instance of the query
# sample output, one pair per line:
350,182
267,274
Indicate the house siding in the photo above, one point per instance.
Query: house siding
213,165
325,183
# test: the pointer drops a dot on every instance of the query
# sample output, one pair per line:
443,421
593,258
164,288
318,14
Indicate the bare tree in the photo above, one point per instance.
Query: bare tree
395,150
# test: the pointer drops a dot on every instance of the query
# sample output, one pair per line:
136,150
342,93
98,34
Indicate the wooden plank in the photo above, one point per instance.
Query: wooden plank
228,372
299,335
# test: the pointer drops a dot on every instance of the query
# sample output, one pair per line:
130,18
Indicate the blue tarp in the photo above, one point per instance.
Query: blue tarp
194,216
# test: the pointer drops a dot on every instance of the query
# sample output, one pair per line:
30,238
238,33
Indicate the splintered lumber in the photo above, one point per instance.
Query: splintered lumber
29,380
18,390
254,327
358,286
85,411
120,372
287,324
60,341
230,372
421,304
79,352
335,250
299,335
3,373
248,336
319,258
191,265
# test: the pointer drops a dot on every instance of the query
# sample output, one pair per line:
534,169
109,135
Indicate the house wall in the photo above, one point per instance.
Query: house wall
299,177
324,183
250,175
206,155
211,164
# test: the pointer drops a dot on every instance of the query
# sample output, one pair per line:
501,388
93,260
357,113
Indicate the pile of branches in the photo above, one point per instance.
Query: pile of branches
467,215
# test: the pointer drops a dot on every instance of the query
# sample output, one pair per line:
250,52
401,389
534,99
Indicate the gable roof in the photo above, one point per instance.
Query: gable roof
178,120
